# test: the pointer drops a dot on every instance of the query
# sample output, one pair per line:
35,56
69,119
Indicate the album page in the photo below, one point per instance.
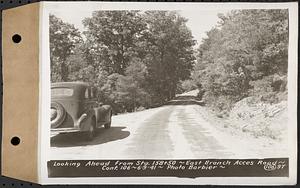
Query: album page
168,93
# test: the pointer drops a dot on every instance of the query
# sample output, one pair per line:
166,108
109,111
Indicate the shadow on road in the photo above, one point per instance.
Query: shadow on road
78,139
185,100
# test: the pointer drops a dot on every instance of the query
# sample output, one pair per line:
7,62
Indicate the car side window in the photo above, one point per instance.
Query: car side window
92,93
86,94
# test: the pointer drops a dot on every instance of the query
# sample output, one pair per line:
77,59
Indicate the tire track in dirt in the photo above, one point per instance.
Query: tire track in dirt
203,142
151,139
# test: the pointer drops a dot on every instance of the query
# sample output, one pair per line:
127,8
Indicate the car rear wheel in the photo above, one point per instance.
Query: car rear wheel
91,133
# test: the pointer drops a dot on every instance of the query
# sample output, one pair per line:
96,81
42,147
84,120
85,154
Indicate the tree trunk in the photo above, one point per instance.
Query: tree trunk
64,72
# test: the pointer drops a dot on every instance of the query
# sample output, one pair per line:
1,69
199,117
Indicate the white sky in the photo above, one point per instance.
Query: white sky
199,22
201,17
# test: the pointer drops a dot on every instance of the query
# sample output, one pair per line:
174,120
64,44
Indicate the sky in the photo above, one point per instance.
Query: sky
199,21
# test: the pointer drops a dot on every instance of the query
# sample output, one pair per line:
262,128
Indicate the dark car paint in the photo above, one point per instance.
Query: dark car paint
77,104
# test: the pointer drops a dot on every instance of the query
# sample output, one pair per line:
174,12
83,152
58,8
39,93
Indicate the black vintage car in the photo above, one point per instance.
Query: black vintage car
75,108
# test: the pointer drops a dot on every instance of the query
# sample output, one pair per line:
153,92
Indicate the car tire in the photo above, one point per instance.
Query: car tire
108,125
60,114
91,133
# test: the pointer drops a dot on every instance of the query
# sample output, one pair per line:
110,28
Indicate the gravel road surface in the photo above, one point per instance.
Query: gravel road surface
174,131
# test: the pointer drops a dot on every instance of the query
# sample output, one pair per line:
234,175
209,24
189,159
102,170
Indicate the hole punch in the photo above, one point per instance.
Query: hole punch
16,38
15,141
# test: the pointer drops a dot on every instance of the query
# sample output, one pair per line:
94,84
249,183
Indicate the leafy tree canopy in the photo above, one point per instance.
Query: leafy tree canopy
246,46
63,39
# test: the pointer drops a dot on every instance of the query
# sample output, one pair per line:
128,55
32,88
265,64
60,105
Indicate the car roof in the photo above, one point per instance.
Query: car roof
70,84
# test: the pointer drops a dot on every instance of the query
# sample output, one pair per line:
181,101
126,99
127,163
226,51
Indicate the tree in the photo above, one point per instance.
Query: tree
130,88
157,40
112,38
169,46
63,39
245,47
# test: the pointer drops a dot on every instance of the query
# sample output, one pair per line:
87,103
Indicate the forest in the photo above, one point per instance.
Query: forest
138,60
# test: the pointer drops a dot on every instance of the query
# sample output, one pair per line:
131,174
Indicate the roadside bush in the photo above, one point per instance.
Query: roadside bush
188,85
200,94
279,83
221,104
269,89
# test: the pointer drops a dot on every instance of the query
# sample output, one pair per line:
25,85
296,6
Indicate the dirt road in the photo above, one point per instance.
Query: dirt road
174,131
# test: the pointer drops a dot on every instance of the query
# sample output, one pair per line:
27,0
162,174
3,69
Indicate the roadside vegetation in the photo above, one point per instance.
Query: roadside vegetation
140,60
241,70
135,59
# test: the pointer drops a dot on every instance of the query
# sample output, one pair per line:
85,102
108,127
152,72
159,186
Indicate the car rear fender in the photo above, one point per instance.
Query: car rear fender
87,121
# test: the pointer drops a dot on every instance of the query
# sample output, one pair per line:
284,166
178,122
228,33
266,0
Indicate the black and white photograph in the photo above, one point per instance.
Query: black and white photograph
170,84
